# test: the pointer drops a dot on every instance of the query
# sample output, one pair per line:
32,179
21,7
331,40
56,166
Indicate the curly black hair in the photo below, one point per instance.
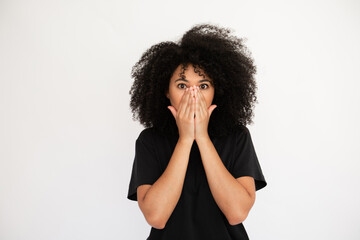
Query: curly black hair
223,57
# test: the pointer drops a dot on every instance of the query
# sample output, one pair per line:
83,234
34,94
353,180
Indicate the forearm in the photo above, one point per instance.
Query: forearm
231,197
164,194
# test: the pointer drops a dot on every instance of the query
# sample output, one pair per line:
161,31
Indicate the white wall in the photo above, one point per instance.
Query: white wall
67,137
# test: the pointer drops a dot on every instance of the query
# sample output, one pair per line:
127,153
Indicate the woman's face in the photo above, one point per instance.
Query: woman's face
177,85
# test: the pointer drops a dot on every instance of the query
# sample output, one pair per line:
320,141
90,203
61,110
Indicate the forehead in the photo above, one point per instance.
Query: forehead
189,72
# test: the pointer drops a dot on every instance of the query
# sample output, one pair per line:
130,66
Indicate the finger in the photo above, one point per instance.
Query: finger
193,105
190,111
198,107
201,104
202,99
192,108
183,101
188,105
172,110
211,109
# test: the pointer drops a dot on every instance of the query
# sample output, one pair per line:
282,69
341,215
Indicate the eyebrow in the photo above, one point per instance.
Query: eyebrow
203,80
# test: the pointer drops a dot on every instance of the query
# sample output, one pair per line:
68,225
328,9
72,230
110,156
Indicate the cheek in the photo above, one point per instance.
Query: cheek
176,98
179,96
208,98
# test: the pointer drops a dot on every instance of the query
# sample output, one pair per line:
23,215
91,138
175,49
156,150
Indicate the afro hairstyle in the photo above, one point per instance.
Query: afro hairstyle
222,56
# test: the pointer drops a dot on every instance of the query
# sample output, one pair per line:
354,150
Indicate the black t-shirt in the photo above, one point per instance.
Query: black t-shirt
196,215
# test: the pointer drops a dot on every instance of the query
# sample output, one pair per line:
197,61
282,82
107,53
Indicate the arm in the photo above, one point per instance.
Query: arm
161,198
234,200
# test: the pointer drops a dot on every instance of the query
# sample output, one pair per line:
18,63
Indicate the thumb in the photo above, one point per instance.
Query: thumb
211,109
172,110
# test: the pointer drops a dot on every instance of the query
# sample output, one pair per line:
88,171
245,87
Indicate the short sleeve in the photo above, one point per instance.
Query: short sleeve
245,161
146,168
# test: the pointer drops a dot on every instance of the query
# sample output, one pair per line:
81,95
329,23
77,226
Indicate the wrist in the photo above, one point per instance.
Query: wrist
186,140
202,138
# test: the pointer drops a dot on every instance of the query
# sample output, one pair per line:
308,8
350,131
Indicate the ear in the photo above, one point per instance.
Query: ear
167,94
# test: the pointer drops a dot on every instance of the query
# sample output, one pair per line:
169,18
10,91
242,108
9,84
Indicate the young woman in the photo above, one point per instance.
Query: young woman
195,170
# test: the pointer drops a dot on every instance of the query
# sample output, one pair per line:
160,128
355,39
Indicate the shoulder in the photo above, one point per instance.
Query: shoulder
242,135
147,134
237,134
241,130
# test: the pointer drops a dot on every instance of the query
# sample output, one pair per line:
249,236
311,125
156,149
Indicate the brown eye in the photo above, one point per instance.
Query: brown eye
207,86
182,87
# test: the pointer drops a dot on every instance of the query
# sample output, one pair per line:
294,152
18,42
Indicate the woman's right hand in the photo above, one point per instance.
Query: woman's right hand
184,115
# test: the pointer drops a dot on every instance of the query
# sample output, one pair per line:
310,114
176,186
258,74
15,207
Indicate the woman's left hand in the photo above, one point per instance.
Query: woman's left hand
202,115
